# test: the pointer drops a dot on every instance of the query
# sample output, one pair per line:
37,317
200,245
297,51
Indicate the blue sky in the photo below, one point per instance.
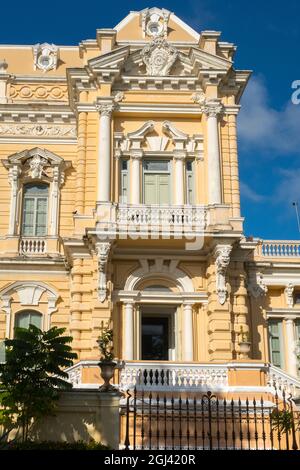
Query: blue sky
268,38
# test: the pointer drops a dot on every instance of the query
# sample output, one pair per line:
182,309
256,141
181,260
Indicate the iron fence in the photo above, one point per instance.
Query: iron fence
156,421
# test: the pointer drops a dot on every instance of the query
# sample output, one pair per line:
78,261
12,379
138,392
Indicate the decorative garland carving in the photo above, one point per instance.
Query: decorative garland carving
102,251
31,92
37,130
222,254
289,295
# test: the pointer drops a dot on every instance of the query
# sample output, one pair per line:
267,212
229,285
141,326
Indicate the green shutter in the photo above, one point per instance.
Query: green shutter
2,351
163,189
150,189
41,217
124,186
28,217
275,341
189,185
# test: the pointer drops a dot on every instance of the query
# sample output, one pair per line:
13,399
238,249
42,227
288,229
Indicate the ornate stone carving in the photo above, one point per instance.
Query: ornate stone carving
289,295
199,98
212,108
36,166
159,56
105,109
222,255
45,56
37,130
3,66
256,286
102,251
154,22
33,92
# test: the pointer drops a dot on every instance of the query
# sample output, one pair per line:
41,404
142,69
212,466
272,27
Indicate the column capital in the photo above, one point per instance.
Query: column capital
179,154
211,108
136,154
105,108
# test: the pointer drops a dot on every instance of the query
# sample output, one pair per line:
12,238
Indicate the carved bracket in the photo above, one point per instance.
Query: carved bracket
289,295
256,286
102,251
222,255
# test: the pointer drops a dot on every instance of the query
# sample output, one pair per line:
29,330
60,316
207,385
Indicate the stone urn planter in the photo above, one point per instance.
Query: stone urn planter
107,363
245,347
107,369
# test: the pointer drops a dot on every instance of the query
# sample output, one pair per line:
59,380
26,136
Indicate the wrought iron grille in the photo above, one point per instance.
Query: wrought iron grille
188,422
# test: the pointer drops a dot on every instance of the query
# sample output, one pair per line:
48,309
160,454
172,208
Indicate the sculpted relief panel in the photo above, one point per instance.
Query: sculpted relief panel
38,92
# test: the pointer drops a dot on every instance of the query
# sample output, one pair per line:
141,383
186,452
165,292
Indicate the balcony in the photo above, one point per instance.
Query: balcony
278,249
32,246
166,220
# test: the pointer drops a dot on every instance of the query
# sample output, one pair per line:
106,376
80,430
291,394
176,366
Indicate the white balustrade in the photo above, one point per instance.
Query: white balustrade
162,216
173,376
33,246
270,248
280,380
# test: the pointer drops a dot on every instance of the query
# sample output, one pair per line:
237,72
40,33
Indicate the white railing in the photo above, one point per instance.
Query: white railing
173,376
280,380
33,245
172,217
273,248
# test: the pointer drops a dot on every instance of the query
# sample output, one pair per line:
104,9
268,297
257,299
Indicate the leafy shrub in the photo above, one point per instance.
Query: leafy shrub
49,445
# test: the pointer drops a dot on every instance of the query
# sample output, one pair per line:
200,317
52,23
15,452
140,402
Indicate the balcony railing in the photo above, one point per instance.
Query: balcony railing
174,376
33,246
279,249
156,215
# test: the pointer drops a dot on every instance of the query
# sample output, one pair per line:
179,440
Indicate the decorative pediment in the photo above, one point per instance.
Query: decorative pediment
37,163
162,135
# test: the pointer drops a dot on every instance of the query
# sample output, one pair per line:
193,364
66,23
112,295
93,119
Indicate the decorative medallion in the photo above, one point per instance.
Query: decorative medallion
45,56
159,57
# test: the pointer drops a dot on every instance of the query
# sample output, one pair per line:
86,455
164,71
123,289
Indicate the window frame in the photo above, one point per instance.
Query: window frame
35,198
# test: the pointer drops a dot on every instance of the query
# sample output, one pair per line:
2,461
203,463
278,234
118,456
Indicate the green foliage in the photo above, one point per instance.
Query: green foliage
105,344
281,420
49,445
32,375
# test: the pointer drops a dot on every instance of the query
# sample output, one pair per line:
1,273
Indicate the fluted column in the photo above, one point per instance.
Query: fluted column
135,176
291,362
179,174
188,347
211,109
104,151
128,338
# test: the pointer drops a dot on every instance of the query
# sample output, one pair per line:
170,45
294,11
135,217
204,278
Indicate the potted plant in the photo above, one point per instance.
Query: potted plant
107,363
244,344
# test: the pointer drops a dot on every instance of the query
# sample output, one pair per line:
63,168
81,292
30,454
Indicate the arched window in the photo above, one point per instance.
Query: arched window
35,210
157,288
28,317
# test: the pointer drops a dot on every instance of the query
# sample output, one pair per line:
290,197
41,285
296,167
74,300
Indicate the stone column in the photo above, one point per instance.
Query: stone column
128,338
211,109
135,176
235,191
291,362
81,163
179,158
13,176
188,347
104,151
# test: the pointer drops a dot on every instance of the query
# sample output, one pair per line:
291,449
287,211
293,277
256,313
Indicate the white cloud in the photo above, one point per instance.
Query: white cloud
250,194
263,128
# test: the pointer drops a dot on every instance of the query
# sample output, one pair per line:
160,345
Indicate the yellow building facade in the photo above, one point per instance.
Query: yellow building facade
120,205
